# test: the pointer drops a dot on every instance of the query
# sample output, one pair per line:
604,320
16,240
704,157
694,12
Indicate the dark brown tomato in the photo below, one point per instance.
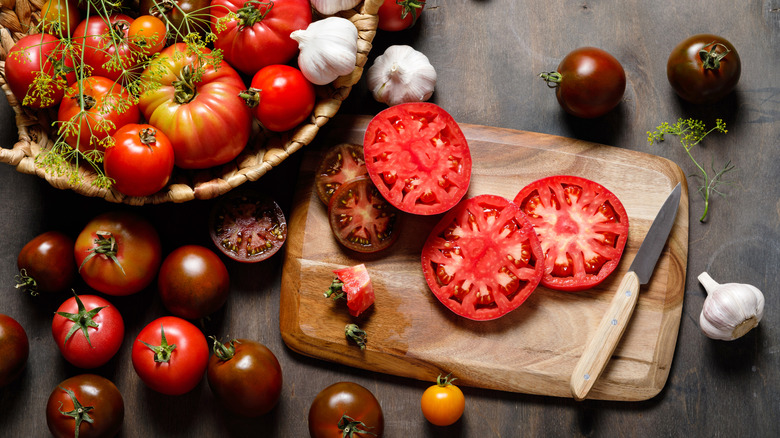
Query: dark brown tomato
346,404
47,264
703,68
341,163
247,226
193,282
14,349
81,397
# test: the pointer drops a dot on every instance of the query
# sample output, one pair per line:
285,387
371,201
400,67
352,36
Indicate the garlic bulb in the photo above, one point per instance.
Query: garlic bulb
401,75
330,7
730,310
328,49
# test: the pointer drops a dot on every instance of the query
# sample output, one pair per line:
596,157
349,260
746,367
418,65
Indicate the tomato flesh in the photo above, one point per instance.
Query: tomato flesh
582,226
342,163
358,288
483,259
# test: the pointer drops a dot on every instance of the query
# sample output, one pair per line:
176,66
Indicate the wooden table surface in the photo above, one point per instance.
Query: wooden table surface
488,54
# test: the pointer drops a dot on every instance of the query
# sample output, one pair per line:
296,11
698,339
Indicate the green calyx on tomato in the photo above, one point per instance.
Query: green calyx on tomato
356,335
336,289
251,96
349,427
79,413
148,136
252,12
410,7
224,352
105,244
81,320
710,59
162,352
445,380
185,89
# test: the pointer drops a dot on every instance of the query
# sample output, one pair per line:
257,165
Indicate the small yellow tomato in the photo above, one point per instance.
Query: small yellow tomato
443,403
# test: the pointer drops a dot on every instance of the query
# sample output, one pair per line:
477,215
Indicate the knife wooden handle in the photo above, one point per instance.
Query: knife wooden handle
608,334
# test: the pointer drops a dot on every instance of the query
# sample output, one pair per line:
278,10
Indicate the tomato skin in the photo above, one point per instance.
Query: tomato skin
187,363
345,398
92,130
138,251
582,226
91,36
29,56
193,282
395,15
592,82
249,42
443,404
208,127
418,180
147,34
104,340
140,161
47,263
284,97
107,413
250,382
60,17
692,81
358,288
14,350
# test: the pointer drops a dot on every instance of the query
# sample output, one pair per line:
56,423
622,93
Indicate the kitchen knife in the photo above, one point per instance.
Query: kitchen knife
613,324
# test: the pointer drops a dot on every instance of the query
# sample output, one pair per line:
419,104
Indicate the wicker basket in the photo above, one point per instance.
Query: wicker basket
262,153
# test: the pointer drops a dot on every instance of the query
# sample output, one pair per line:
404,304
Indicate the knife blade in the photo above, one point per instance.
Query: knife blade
609,331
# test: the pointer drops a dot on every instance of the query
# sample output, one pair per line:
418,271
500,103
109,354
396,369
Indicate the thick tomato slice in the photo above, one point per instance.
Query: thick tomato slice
418,158
340,164
582,227
247,226
483,259
361,219
357,286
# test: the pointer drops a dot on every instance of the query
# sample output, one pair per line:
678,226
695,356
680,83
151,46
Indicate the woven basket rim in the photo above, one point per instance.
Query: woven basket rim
263,152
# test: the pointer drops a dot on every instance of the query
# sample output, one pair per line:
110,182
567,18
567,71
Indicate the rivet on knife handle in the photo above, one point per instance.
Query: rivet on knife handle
608,333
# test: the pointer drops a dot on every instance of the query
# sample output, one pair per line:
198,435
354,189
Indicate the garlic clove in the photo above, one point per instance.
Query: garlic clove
330,7
328,49
730,310
401,75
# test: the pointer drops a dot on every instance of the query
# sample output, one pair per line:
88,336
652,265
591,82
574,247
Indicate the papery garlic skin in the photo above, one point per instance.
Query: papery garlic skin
330,7
328,49
730,310
401,75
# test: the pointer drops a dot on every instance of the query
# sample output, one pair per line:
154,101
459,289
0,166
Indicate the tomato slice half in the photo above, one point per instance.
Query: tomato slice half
483,259
340,164
361,219
582,226
418,158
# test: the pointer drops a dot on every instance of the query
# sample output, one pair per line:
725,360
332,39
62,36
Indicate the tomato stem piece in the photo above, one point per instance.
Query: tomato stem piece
162,352
79,413
24,281
349,426
222,351
710,59
410,7
105,244
185,89
356,335
81,320
251,96
148,136
336,289
553,78
445,380
252,12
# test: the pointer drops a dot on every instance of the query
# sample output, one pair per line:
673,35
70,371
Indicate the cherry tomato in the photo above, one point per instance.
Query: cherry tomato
170,355
141,160
147,34
60,17
345,405
89,116
36,72
247,226
280,97
395,15
193,282
443,403
46,263
86,406
418,158
245,376
340,164
582,226
88,330
118,253
361,219
14,349
589,82
703,68
354,284
180,15
483,259
105,47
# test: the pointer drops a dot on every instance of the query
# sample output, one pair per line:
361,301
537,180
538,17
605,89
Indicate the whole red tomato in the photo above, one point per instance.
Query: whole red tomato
260,33
703,68
589,82
280,97
170,355
104,45
395,15
245,376
88,330
14,349
193,282
46,263
118,253
86,406
345,405
92,111
140,161
27,59
203,116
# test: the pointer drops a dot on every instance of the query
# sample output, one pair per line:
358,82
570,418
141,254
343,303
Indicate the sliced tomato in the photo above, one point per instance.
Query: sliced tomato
418,157
340,164
247,226
483,259
582,227
355,283
361,219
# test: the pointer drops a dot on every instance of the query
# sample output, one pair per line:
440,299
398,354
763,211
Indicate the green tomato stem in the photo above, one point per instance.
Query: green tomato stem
162,352
81,320
79,413
553,78
711,58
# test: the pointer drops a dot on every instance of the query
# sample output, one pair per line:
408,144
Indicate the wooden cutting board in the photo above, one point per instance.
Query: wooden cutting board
532,349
